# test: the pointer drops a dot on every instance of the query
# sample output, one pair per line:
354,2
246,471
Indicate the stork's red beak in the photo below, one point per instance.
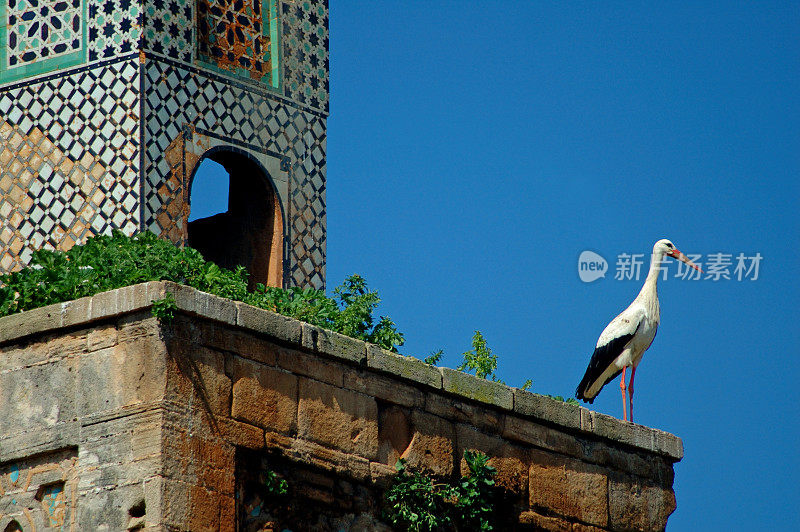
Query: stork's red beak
683,258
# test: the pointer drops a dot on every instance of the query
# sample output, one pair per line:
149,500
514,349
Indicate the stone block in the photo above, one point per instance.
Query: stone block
129,373
241,434
37,397
632,434
216,467
545,437
381,474
568,487
433,444
343,463
408,368
628,460
17,355
636,504
101,337
124,300
34,321
341,419
546,409
382,387
482,390
200,374
189,329
309,336
268,323
394,433
204,509
667,444
202,304
458,409
334,345
145,435
311,365
76,312
136,325
275,441
264,396
511,461
580,527
175,508
535,521
153,487
227,513
246,344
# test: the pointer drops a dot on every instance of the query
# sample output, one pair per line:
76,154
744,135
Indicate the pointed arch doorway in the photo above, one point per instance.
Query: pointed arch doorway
250,232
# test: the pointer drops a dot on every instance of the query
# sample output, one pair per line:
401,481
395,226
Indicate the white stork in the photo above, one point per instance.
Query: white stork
623,342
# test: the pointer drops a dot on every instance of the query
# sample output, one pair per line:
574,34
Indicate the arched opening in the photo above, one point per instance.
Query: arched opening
250,232
13,526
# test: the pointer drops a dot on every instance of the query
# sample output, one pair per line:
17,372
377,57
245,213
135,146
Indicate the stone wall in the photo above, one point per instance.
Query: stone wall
108,418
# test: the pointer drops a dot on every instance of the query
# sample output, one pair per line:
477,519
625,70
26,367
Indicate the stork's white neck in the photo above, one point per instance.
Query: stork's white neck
648,295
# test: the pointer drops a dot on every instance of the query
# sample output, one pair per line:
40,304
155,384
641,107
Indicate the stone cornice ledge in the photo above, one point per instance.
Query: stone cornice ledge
576,419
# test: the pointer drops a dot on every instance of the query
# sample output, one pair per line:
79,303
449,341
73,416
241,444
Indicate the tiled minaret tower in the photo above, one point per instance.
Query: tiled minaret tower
107,108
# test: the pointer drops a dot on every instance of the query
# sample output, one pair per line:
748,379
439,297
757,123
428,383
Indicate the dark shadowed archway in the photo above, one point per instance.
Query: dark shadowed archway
250,232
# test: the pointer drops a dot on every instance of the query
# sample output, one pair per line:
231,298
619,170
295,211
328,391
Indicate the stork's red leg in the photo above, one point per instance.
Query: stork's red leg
624,397
630,389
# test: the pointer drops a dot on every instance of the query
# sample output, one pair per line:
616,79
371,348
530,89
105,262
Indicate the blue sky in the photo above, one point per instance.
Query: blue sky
476,149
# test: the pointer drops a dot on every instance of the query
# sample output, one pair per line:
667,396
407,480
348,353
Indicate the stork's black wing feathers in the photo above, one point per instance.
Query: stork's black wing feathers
603,356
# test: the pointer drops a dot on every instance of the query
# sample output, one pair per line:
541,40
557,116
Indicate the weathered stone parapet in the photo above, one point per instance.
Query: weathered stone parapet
170,427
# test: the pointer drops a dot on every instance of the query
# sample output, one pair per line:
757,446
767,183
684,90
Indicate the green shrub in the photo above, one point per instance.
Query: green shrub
481,360
417,501
109,262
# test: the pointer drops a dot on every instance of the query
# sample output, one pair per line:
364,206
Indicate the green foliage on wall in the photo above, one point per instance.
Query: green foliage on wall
417,501
109,262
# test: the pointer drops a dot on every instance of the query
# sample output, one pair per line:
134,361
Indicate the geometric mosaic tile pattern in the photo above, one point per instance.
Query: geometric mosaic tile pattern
40,29
68,160
182,96
100,98
39,35
115,28
308,239
239,37
169,28
305,55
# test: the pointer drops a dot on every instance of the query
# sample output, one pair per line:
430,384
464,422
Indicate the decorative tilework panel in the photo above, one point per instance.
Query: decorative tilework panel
169,28
39,491
39,29
239,37
115,28
305,52
180,98
38,36
308,246
69,164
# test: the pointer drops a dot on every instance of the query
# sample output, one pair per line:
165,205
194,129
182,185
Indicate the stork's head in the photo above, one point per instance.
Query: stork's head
666,247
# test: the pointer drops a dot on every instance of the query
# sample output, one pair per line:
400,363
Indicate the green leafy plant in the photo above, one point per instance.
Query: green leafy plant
527,384
434,357
417,501
274,486
569,400
113,261
475,495
480,359
164,309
